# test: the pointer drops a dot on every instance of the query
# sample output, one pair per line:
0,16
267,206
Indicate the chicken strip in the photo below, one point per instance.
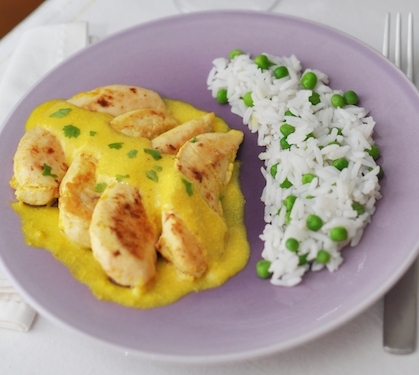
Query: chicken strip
208,163
180,247
172,140
123,236
39,167
118,99
78,198
145,122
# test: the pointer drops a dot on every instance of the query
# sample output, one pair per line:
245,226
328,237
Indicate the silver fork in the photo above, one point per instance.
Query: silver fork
400,303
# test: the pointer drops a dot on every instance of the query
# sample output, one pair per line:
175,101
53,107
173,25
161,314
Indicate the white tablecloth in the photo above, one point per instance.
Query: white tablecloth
355,348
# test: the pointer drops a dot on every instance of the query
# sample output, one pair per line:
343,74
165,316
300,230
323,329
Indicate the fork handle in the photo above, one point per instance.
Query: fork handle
400,309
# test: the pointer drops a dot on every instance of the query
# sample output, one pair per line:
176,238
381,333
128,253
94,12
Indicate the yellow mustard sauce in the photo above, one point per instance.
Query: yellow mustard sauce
225,239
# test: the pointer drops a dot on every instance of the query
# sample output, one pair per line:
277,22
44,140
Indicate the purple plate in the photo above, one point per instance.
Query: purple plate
247,317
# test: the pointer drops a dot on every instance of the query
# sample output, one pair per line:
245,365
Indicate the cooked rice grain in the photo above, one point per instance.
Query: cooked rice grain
322,134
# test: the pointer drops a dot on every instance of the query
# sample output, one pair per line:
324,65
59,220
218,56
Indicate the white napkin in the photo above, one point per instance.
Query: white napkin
14,312
38,50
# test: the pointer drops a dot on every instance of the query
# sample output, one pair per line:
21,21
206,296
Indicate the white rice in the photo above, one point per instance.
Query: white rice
331,193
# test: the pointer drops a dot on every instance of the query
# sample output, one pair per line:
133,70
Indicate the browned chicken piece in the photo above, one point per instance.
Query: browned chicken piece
39,167
118,99
180,247
78,198
145,122
208,163
123,236
172,140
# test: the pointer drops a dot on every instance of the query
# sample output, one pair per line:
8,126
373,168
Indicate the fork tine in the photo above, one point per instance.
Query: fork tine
397,45
409,68
400,303
386,39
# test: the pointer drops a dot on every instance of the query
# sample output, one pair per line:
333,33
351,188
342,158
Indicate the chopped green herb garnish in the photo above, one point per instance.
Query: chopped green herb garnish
116,146
154,153
71,131
120,177
152,175
132,153
92,133
188,186
47,171
157,168
194,139
101,186
61,113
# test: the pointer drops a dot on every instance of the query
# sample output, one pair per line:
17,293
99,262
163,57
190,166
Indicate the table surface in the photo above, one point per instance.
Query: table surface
355,348
12,14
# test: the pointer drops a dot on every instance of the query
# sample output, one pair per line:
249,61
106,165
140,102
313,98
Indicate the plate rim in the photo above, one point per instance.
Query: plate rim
321,331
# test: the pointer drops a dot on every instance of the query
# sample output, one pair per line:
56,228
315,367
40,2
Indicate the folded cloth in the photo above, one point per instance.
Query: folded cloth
14,312
38,50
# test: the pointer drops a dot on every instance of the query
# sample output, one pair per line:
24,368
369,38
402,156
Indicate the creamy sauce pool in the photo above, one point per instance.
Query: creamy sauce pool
128,159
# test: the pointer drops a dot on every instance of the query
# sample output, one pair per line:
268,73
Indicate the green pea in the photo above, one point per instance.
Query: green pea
262,268
314,222
289,202
302,259
292,244
234,53
314,98
262,62
359,208
288,113
323,257
338,234
307,178
374,152
350,97
284,143
380,174
337,101
286,129
309,80
340,163
310,135
222,96
281,72
247,98
334,143
286,184
274,170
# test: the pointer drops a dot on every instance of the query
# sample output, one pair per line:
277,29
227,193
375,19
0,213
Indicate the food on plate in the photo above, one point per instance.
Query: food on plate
172,140
322,178
78,197
123,236
178,245
207,162
119,99
38,153
125,188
